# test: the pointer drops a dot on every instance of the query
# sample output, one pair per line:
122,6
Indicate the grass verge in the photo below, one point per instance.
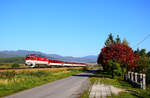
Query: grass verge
13,81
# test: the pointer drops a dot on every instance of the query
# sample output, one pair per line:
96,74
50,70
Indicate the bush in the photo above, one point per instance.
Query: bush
36,74
15,65
143,64
114,68
85,68
7,74
147,76
144,93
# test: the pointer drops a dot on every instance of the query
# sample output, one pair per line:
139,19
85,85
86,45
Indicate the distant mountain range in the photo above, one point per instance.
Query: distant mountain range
22,53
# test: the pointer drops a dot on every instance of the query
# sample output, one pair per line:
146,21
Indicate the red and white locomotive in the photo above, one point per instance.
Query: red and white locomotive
34,60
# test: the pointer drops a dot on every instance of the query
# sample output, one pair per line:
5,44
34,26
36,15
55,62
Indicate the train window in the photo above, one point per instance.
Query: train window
30,57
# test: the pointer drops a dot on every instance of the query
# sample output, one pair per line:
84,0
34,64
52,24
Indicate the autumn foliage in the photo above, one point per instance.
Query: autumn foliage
120,53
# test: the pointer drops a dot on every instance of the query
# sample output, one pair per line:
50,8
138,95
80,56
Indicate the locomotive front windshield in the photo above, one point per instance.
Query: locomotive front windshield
36,55
30,57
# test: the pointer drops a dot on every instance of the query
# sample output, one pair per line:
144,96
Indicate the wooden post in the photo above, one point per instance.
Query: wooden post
128,75
141,80
132,76
136,78
144,81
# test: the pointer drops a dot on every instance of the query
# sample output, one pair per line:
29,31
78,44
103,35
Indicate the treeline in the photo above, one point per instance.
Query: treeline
144,60
20,60
117,57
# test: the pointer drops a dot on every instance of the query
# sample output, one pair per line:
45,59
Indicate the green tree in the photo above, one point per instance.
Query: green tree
125,42
114,68
137,51
148,75
148,54
142,52
109,40
15,65
118,40
143,62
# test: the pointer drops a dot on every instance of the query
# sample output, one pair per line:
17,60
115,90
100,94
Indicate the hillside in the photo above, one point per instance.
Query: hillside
22,53
12,60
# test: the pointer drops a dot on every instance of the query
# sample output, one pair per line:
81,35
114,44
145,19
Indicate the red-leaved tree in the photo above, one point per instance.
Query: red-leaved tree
120,53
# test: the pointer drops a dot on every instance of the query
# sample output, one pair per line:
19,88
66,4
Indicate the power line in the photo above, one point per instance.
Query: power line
143,40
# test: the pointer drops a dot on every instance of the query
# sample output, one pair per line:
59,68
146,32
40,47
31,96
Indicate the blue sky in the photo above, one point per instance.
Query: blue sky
72,27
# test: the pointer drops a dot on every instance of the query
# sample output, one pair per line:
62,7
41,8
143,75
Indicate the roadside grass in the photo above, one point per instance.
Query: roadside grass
9,65
129,90
123,95
85,94
15,81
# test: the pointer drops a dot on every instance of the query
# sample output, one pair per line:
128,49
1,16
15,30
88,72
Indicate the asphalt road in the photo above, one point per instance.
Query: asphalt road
70,87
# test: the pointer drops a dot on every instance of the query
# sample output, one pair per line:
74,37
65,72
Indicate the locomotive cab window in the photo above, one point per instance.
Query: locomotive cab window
28,57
